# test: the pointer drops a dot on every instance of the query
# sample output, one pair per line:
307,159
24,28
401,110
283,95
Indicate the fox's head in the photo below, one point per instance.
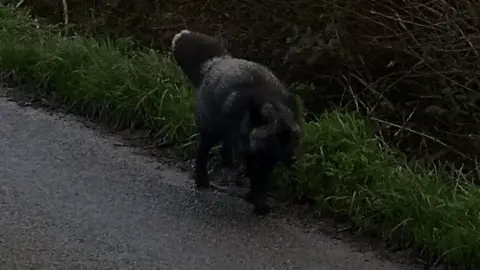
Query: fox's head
278,138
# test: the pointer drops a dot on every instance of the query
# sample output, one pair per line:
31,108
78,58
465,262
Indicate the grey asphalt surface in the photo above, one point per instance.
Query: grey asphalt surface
70,199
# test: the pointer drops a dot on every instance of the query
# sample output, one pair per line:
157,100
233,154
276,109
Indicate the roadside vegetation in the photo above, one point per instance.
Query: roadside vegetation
344,169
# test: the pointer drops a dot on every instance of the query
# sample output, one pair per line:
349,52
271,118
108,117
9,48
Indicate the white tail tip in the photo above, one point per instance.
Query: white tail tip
179,35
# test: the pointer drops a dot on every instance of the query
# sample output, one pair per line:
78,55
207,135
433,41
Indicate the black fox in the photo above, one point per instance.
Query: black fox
243,105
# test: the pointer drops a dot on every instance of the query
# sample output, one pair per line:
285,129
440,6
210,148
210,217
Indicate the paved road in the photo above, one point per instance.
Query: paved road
70,199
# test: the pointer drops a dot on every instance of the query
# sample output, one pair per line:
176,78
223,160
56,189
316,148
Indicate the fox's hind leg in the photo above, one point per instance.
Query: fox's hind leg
205,142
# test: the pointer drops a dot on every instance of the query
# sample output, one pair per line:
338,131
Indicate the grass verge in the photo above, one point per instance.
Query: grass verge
343,168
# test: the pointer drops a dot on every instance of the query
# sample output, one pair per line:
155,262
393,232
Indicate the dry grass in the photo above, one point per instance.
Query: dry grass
416,66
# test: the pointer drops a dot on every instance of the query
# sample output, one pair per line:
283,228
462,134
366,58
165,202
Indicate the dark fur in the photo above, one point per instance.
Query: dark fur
192,51
243,105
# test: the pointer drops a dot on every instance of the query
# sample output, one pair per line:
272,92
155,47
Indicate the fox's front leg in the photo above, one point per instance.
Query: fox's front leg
259,174
228,151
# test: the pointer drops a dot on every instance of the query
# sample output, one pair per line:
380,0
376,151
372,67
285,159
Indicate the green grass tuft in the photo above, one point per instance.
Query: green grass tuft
343,168
141,88
345,171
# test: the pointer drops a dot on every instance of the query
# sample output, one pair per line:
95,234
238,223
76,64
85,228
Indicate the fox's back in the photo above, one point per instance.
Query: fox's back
227,75
230,88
